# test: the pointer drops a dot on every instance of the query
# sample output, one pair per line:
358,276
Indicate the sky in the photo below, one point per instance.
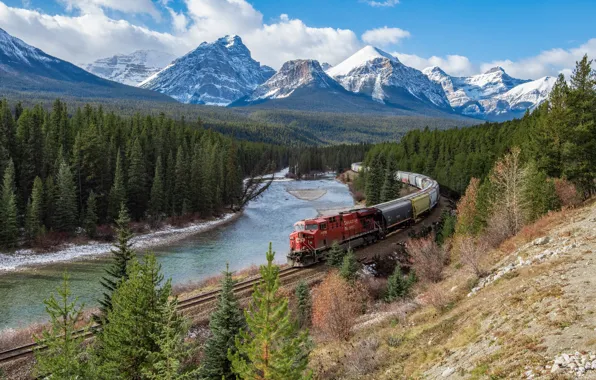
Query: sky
528,38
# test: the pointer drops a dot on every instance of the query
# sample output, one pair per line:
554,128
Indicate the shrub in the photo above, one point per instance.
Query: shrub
567,193
365,357
471,254
437,297
428,259
336,305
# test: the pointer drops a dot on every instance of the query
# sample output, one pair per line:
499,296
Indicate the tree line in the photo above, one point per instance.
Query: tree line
63,171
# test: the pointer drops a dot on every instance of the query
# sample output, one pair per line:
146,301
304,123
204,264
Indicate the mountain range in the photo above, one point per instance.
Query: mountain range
223,73
130,69
24,68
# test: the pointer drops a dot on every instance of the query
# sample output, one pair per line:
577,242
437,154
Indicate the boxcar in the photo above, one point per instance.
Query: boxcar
419,180
434,196
420,204
412,179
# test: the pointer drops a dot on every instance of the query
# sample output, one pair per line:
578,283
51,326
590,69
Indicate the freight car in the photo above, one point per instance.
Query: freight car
312,238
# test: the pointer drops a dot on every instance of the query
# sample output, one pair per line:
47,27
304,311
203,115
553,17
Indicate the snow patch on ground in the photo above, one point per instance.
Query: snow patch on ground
26,257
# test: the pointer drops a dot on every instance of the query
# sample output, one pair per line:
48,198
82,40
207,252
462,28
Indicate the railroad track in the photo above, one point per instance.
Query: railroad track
183,306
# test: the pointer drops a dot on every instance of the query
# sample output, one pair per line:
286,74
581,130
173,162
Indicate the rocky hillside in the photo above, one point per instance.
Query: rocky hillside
533,316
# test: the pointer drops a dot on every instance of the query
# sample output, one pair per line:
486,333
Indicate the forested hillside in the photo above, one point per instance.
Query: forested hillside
62,171
272,126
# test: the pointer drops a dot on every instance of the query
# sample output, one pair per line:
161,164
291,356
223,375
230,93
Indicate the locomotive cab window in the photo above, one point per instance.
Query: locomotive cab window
323,226
311,227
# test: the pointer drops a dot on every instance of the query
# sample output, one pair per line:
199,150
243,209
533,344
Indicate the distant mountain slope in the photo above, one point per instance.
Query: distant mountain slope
130,69
24,68
493,95
385,79
303,85
216,73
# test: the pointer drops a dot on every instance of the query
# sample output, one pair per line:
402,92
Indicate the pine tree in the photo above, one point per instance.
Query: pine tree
91,215
34,219
144,334
62,357
9,228
539,193
335,256
391,186
271,347
349,267
122,254
303,304
118,191
181,189
225,323
157,201
397,286
65,215
136,185
374,181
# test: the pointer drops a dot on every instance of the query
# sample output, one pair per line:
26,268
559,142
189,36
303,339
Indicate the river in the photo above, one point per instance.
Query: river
240,243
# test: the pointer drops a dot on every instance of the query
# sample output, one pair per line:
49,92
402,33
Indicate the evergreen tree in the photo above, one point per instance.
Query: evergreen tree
374,181
65,215
391,186
539,193
118,191
271,347
34,220
349,267
91,215
303,304
158,200
122,254
62,357
144,335
136,185
181,189
397,286
335,256
9,228
225,323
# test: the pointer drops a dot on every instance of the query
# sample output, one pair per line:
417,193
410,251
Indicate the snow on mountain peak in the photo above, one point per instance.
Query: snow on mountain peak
16,50
292,76
215,73
361,57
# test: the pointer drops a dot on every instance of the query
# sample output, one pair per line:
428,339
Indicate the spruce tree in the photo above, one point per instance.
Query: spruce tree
225,323
303,304
34,216
62,357
145,334
157,201
91,215
9,228
181,189
118,191
122,254
391,186
335,256
136,186
397,286
349,267
65,214
271,347
374,181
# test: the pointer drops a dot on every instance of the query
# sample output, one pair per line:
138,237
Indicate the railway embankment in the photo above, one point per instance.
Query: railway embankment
532,316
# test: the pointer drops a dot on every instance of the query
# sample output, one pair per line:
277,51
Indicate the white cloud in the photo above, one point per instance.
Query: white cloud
384,36
179,20
548,62
128,6
456,65
386,3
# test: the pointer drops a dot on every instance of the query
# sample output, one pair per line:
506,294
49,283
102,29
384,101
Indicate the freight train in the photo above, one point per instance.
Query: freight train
312,238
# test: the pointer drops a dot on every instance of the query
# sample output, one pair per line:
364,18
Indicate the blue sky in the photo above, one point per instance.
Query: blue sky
529,38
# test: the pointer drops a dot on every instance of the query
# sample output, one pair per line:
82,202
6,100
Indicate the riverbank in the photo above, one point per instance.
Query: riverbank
26,258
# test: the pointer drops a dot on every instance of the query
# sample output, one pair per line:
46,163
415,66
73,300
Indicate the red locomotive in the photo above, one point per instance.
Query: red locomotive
312,237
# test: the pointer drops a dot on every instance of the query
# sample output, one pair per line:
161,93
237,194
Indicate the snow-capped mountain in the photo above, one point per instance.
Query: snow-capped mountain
293,75
132,68
515,102
491,95
27,68
216,73
383,77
